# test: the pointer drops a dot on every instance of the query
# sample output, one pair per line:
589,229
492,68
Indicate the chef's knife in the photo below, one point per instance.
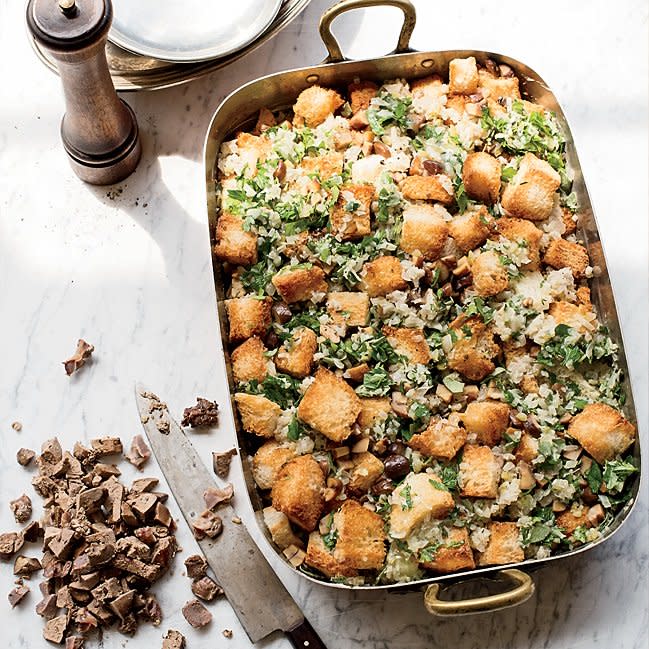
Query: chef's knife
256,594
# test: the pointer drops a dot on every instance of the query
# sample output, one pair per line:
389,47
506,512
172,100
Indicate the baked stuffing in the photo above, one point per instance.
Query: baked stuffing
416,358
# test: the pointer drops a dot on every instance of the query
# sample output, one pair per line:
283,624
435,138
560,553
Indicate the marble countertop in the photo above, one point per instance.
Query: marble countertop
128,269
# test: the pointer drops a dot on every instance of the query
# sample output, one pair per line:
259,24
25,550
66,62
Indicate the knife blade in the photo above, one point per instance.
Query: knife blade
256,594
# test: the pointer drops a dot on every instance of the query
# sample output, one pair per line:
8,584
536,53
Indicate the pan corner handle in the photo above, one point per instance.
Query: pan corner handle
335,54
523,589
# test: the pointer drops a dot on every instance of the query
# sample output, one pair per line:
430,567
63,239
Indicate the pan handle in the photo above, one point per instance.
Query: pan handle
522,591
335,53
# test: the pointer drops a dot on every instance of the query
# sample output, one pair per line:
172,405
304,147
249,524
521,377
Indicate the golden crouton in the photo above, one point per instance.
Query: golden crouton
481,177
440,439
325,166
473,348
416,500
428,96
522,230
350,309
602,431
578,316
427,188
330,406
531,192
361,539
470,230
252,149
268,460
318,556
233,243
373,409
566,254
490,277
410,343
569,221
300,284
504,545
479,473
571,519
583,296
487,419
527,449
248,316
360,94
382,276
455,555
463,76
315,104
424,230
249,362
259,415
494,88
298,491
350,217
295,356
366,471
457,104
280,529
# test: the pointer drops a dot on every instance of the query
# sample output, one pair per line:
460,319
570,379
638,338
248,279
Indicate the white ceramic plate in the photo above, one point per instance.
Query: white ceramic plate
188,31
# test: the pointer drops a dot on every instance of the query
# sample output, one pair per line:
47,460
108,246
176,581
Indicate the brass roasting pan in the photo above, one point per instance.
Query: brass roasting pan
278,91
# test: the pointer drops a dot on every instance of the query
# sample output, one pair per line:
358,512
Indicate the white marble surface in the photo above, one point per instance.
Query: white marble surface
132,275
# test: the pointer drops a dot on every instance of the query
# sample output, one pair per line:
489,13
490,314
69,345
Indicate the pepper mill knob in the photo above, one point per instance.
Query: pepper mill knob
99,130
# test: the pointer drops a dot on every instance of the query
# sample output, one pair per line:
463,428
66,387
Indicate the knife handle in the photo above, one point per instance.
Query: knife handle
305,637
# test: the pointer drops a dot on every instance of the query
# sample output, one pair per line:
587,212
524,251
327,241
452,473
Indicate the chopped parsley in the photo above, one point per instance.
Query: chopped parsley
406,497
385,110
376,383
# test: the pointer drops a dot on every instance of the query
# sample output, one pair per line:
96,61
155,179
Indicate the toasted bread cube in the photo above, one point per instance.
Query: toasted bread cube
361,539
531,192
315,104
248,316
259,415
428,188
249,361
325,165
330,406
441,439
504,545
298,491
373,409
252,149
578,316
495,88
410,343
300,284
456,104
570,520
481,177
351,309
602,431
471,354
452,557
350,218
280,529
416,500
470,230
424,230
382,276
569,221
368,169
463,76
490,277
233,243
366,471
488,420
318,556
520,230
360,94
527,449
479,472
428,96
268,460
295,356
566,254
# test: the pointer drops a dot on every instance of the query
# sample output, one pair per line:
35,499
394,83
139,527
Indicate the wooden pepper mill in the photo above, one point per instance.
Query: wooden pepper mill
99,130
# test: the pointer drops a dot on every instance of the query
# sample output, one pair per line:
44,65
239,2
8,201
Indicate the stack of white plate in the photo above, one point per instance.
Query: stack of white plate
161,43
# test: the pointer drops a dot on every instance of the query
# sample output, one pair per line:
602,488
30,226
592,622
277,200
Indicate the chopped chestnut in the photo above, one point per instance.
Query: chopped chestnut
396,466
